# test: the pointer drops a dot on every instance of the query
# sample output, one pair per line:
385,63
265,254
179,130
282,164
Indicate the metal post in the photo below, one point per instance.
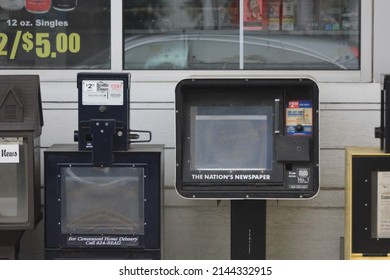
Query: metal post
10,244
248,229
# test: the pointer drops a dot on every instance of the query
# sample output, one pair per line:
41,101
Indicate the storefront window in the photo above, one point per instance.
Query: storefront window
55,34
242,34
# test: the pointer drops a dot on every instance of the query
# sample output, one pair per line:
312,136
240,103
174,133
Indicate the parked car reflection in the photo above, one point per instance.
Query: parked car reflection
222,52
212,51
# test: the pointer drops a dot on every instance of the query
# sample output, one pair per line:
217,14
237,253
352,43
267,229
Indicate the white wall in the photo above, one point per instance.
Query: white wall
381,55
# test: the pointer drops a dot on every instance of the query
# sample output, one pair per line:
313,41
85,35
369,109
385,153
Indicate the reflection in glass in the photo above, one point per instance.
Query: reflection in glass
58,36
207,35
231,138
14,188
102,200
12,5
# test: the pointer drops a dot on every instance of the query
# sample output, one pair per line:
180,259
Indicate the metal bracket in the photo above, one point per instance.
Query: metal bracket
102,131
133,138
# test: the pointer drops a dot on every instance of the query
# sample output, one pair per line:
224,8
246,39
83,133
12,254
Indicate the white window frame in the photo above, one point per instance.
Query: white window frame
362,75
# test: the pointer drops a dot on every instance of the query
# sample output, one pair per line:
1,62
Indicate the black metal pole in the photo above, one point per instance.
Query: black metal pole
10,244
247,229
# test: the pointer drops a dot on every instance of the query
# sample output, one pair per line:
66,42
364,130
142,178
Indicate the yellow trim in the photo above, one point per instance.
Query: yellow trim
361,257
350,152
362,151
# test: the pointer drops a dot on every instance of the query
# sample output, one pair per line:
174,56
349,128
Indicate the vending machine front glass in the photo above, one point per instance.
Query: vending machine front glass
234,137
102,200
14,185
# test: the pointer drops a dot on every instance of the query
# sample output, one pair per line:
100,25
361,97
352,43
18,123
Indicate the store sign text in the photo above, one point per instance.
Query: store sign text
38,22
41,43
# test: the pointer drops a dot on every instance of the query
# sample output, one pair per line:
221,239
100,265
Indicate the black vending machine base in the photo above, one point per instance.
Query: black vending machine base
103,212
103,254
10,244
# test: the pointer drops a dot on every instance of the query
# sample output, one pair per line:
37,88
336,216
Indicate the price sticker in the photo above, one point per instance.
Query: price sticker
45,45
103,92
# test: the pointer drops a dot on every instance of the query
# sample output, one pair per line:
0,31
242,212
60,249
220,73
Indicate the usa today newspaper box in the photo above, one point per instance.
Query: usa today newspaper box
21,124
247,138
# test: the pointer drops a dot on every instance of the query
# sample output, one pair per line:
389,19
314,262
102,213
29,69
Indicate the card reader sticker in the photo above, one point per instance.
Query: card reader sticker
103,92
299,117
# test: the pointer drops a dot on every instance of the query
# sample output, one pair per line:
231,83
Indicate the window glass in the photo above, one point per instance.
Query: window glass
231,138
14,185
102,200
242,34
55,34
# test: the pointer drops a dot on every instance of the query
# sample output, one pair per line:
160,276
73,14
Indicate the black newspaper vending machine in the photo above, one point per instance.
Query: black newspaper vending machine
247,140
103,197
21,124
